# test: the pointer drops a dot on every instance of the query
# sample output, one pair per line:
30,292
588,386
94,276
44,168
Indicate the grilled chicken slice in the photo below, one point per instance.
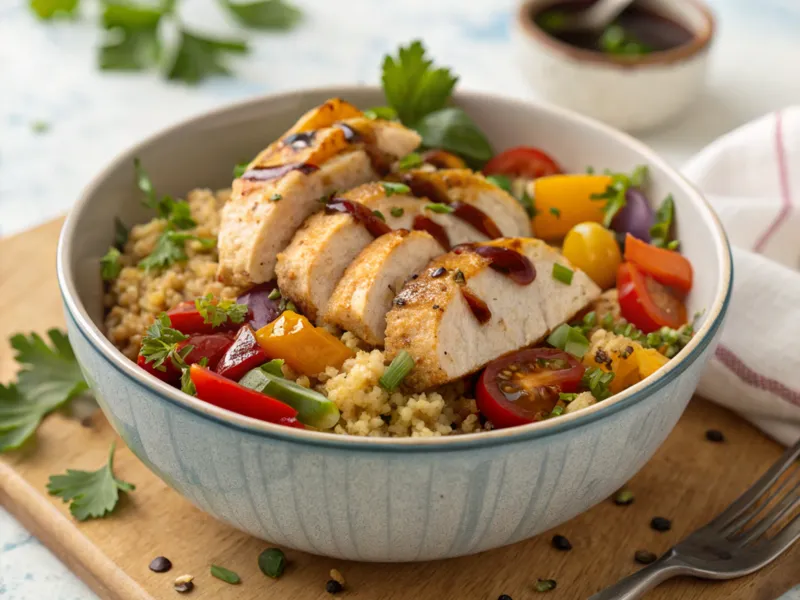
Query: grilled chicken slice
432,320
332,147
365,293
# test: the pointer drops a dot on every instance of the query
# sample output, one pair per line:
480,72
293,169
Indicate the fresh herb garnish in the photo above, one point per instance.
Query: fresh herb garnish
410,161
381,112
120,233
597,381
453,130
562,273
131,42
274,294
49,9
555,212
239,170
439,208
391,188
557,411
161,343
91,494
110,264
200,57
379,214
401,365
396,211
272,562
615,39
275,197
662,225
265,14
218,313
49,378
501,181
528,204
569,339
225,575
170,249
614,194
567,397
544,585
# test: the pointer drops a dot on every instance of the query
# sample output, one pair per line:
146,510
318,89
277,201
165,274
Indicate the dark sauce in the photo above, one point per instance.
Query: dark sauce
644,31
360,213
509,262
421,187
477,306
351,135
432,227
380,161
301,140
267,173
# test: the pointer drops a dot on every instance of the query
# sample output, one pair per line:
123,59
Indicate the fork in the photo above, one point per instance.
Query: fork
735,543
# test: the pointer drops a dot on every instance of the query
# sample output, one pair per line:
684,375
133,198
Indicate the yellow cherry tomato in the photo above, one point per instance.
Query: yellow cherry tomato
594,250
563,201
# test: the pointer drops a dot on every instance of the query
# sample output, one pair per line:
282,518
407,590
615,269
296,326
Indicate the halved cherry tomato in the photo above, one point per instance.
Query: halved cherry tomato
244,354
665,266
522,161
211,346
220,391
187,319
523,386
645,302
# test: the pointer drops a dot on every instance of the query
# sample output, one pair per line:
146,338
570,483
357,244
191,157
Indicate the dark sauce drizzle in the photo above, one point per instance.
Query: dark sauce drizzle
477,306
381,162
509,262
432,227
360,213
301,140
274,172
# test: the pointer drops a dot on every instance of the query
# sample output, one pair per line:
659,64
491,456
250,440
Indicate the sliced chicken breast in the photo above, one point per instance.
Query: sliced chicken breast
365,293
328,149
437,317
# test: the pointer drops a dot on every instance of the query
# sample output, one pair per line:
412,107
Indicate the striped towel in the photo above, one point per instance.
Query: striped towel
752,178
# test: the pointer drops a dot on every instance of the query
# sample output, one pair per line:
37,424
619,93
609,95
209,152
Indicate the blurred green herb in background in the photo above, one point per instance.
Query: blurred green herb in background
134,39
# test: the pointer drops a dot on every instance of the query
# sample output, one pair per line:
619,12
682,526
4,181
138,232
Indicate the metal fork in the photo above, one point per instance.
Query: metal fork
735,543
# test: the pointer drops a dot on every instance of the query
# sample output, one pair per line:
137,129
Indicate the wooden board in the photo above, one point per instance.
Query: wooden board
689,480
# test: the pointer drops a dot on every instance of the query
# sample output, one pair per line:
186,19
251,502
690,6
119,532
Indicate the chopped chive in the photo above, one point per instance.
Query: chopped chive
392,187
410,161
501,181
554,211
274,294
557,411
275,197
569,339
567,397
439,207
397,371
562,273
225,575
396,211
379,214
290,306
272,562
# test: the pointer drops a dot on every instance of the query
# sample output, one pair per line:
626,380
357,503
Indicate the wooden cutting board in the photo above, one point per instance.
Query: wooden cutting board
689,481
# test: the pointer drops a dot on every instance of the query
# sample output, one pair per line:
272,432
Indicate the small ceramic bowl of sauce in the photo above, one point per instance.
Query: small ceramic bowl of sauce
643,69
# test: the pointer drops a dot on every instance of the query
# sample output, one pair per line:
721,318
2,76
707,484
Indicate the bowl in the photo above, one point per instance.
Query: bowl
379,499
634,94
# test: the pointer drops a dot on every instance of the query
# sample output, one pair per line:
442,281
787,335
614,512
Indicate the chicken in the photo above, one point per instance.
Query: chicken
432,318
365,293
331,147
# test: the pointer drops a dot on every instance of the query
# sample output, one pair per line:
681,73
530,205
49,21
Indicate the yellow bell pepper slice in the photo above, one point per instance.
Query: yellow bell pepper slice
306,349
563,201
650,361
629,367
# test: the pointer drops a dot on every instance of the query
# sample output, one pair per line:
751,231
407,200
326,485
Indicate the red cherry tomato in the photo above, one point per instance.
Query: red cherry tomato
187,319
665,266
645,302
211,346
244,354
523,386
522,161
224,393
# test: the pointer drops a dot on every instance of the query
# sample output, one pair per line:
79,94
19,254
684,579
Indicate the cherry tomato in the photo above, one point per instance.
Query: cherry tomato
594,250
665,266
211,346
244,354
646,303
187,319
523,386
522,161
220,391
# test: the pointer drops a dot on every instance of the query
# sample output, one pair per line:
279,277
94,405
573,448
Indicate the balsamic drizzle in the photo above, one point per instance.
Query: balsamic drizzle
373,224
506,261
274,172
434,229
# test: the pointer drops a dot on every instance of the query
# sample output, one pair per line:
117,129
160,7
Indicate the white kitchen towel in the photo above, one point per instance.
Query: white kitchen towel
751,176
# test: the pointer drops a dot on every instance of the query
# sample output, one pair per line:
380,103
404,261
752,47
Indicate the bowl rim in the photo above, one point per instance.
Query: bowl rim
700,41
96,339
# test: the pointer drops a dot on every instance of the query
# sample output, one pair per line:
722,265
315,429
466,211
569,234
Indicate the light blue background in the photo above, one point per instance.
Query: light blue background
47,73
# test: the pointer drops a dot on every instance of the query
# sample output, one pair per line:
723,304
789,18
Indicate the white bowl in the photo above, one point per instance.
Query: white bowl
632,93
380,499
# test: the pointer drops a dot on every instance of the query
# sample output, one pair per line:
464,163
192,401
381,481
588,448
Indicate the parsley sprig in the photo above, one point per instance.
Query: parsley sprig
218,313
614,194
91,494
162,343
49,378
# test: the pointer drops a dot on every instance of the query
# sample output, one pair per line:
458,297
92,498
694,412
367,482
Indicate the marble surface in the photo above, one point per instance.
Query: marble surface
48,74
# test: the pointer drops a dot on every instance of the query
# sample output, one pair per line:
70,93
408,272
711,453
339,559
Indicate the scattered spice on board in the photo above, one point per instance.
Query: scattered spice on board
184,584
272,562
715,435
661,524
504,597
559,542
544,585
644,557
160,564
333,586
225,575
623,497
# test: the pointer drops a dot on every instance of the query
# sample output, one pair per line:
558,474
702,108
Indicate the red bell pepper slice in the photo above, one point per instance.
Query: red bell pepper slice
244,354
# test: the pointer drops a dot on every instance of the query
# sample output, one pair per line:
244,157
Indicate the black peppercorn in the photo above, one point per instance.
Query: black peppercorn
160,564
559,542
333,586
504,597
644,557
438,272
661,524
714,435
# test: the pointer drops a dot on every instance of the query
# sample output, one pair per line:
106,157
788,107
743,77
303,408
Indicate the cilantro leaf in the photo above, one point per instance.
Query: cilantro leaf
161,343
132,42
412,86
662,225
48,9
453,130
110,265
49,378
265,14
199,57
91,494
218,313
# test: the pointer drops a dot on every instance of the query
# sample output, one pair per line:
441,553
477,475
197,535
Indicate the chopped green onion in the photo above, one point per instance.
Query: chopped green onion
274,294
567,397
239,170
554,211
501,181
440,208
557,411
379,214
397,371
597,381
410,161
562,273
392,187
275,197
569,339
225,575
396,211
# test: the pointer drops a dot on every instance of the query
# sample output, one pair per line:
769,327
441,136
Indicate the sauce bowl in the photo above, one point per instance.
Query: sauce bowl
380,499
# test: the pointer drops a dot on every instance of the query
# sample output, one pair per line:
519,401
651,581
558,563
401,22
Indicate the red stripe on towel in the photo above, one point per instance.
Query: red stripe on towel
783,175
752,378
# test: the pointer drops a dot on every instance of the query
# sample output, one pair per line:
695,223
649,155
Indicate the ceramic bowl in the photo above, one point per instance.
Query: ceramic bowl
632,94
367,498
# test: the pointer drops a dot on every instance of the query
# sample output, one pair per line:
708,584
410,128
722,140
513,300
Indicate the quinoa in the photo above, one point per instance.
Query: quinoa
137,297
